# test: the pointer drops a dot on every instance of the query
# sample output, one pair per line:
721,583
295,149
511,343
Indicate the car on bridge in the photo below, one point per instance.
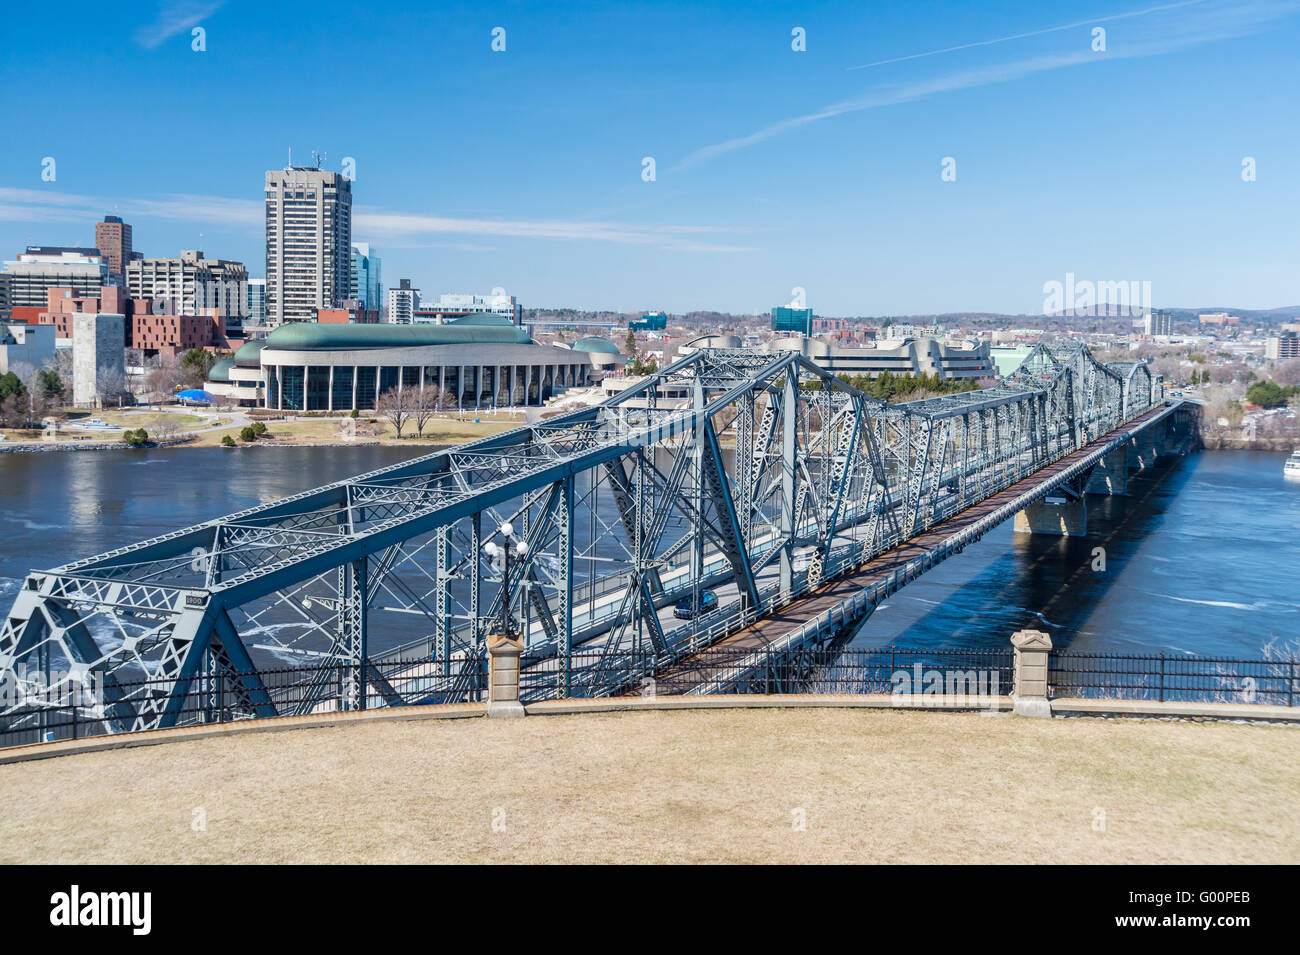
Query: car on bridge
684,609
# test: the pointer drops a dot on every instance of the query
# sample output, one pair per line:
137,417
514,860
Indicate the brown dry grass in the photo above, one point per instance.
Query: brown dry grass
328,431
698,786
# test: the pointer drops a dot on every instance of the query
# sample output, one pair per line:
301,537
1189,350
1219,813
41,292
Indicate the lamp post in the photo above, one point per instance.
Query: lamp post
494,552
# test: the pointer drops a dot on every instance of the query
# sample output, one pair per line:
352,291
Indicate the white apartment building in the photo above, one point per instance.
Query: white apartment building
402,303
308,242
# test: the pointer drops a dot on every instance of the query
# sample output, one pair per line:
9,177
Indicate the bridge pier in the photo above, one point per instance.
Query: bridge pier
1068,518
1142,450
1110,476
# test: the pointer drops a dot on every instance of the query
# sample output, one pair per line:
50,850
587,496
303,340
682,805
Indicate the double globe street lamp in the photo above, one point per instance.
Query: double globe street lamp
499,555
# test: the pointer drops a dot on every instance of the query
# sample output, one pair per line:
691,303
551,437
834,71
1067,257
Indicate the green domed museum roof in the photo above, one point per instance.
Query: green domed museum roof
249,354
594,343
479,328
221,370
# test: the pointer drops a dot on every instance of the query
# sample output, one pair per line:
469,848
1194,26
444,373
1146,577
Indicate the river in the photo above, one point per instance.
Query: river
1202,557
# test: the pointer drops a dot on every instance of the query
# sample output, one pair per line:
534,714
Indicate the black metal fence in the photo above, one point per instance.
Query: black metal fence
1177,679
978,673
38,713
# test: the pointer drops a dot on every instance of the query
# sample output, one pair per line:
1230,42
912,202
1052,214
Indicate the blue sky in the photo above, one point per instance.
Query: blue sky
775,169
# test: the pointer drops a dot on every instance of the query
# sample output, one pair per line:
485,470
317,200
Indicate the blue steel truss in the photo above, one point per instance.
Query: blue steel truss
769,477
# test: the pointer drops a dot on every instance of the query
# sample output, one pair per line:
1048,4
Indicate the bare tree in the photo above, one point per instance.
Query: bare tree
63,368
110,386
135,370
395,404
1287,372
428,403
164,376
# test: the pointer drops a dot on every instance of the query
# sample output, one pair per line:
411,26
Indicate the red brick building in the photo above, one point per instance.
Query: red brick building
151,333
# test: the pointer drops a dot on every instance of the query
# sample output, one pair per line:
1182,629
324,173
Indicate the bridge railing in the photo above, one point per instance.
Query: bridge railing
1174,679
908,673
220,698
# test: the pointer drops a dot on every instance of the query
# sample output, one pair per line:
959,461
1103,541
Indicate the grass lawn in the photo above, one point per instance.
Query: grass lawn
720,786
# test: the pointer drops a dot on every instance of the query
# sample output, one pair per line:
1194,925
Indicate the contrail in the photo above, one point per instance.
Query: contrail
1021,36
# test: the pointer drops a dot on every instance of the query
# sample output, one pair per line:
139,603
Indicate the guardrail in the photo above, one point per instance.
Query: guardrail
1167,678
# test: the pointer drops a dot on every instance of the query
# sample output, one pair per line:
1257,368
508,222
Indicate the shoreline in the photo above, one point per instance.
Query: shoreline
1276,445
35,448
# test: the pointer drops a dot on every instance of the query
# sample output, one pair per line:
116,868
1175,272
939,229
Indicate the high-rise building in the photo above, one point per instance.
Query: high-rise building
113,240
402,302
308,242
44,267
6,296
788,319
256,309
191,284
1158,322
1283,347
367,277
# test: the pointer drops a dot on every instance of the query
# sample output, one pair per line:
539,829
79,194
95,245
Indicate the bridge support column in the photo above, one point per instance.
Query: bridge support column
1030,695
503,675
1065,519
1110,476
1142,450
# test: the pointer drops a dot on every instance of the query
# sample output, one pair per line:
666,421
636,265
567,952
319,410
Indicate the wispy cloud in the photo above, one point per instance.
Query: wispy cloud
38,205
1023,36
1207,21
174,18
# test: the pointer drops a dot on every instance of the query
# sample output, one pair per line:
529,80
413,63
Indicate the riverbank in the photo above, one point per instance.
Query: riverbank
1223,443
306,432
794,786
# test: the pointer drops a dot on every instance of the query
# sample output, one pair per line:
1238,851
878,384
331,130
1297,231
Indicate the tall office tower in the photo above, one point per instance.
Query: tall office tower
113,239
6,296
308,242
256,301
402,302
367,279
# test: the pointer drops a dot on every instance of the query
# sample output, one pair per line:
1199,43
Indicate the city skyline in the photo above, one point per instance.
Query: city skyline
775,169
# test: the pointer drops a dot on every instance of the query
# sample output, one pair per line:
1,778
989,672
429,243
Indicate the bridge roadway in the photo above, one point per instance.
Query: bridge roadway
857,594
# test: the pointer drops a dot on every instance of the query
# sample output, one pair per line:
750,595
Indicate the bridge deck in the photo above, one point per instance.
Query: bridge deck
694,672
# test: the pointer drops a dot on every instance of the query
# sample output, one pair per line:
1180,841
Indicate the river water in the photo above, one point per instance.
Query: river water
1202,557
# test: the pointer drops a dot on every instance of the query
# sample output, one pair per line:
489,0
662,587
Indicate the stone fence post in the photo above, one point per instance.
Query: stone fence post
503,675
1030,695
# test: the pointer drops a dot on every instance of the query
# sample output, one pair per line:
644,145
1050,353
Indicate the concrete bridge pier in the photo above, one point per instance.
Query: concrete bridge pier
1110,476
1068,518
1142,450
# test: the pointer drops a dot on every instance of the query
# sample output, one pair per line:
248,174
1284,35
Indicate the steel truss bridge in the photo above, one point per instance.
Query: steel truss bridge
768,483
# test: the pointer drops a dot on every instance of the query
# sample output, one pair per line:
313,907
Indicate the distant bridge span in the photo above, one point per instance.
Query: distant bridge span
768,480
836,608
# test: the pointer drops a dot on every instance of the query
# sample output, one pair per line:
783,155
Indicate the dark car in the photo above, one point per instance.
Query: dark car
684,609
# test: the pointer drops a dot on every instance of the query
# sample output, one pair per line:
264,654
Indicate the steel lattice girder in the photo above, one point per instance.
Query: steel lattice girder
820,460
